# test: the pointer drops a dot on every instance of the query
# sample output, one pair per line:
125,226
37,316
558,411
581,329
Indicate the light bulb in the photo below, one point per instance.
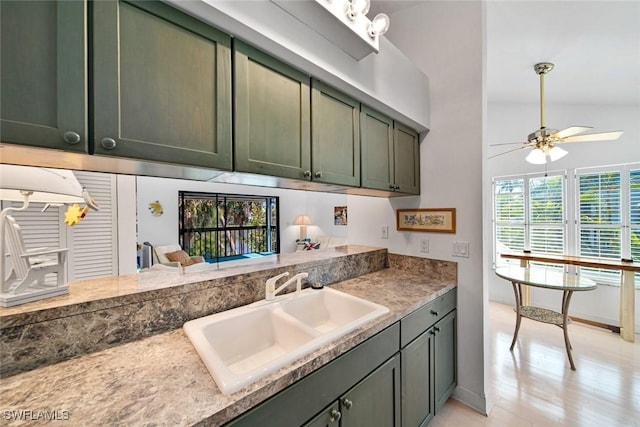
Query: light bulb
357,7
379,25
556,153
536,157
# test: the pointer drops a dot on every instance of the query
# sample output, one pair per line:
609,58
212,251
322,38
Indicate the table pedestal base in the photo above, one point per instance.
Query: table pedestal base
543,315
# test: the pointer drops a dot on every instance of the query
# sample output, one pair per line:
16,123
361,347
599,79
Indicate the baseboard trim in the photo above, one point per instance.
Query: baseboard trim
612,328
471,399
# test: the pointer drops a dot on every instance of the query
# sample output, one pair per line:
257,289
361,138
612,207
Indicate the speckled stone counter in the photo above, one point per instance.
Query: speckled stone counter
160,380
102,313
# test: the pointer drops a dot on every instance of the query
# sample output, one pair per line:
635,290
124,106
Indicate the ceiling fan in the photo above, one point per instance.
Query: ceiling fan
545,140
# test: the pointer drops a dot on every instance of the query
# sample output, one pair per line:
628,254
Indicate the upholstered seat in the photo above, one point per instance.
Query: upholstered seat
174,256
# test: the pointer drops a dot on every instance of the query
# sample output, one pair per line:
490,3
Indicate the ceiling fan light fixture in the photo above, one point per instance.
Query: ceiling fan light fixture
556,153
537,157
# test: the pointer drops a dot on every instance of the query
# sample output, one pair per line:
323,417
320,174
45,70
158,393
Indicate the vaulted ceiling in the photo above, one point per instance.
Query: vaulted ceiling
595,46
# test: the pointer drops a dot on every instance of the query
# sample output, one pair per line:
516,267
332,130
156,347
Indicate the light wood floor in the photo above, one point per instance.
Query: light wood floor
534,385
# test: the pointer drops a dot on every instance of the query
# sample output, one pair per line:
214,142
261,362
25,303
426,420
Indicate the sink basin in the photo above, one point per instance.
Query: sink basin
242,345
329,310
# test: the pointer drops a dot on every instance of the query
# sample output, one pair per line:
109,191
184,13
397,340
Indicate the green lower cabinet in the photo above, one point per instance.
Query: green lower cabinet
161,85
375,401
330,416
43,95
428,372
445,359
417,381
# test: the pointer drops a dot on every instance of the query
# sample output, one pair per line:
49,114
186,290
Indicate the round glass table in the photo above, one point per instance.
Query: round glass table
550,279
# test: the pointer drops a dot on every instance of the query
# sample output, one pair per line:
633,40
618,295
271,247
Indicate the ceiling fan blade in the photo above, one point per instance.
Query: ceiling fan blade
509,143
507,152
570,131
604,136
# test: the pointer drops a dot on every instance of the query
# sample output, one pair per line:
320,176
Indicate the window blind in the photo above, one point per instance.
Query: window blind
599,222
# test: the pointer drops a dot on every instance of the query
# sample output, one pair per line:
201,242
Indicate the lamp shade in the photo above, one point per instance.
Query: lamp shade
379,25
45,185
537,157
303,220
556,153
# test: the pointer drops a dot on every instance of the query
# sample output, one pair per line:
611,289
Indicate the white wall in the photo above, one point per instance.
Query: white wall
162,230
445,41
512,122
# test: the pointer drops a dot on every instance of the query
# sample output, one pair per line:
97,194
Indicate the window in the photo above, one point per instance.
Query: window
222,227
532,212
609,217
529,213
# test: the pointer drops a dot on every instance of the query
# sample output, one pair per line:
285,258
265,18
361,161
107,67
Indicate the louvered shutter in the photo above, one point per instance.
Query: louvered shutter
600,221
508,217
546,215
634,216
93,241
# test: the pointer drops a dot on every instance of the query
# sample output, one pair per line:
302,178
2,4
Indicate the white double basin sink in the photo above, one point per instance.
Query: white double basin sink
242,345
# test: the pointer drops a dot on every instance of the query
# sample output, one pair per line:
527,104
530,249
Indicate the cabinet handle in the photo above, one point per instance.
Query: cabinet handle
334,416
432,332
318,175
108,143
71,137
397,187
347,403
307,174
433,312
436,329
392,187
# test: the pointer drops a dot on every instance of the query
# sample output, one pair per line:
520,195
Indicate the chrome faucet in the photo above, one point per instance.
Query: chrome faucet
270,287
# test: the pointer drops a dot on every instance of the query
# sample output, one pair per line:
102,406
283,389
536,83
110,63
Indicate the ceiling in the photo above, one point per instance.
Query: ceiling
595,46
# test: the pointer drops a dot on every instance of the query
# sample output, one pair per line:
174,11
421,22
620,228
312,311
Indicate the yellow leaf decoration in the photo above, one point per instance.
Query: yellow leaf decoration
155,208
73,215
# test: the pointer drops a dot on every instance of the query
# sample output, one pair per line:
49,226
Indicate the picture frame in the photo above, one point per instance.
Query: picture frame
437,220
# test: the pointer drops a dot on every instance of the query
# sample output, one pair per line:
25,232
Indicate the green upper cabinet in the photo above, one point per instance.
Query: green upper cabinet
335,136
162,85
43,84
406,159
390,154
272,110
377,150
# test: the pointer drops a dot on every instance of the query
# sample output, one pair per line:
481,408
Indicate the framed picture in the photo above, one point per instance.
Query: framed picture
441,220
340,215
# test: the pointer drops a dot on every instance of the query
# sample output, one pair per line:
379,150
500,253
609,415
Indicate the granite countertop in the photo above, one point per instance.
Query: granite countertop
160,380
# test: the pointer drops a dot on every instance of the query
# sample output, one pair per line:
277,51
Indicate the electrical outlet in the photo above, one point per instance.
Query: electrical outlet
424,245
384,232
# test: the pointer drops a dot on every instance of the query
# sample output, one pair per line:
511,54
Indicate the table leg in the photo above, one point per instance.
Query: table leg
566,298
525,291
517,290
627,306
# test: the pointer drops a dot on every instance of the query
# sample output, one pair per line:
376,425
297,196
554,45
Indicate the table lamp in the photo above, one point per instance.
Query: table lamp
303,221
25,281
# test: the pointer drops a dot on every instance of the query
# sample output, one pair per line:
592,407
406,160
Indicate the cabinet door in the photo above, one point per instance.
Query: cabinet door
272,116
417,381
329,417
162,85
445,358
43,60
375,401
377,150
406,157
335,133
